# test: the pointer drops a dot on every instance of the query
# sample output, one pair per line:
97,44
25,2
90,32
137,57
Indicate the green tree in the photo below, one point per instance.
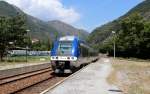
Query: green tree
130,35
49,44
12,32
28,42
4,35
18,29
37,45
132,38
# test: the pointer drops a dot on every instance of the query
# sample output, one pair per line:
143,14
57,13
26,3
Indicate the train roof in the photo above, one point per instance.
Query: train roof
68,38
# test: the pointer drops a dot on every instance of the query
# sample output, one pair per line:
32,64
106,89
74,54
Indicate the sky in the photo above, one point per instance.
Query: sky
83,14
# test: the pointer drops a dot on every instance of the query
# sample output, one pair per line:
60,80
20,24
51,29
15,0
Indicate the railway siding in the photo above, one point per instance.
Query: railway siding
21,70
16,79
89,80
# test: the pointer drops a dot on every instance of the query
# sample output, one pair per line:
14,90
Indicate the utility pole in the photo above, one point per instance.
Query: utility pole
27,47
114,43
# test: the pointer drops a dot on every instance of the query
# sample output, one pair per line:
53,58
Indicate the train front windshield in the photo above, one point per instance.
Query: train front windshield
65,48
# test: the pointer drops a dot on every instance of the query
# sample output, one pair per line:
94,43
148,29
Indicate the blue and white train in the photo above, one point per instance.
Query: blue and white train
66,52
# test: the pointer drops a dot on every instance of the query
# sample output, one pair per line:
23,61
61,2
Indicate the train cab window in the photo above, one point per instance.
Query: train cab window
79,47
65,47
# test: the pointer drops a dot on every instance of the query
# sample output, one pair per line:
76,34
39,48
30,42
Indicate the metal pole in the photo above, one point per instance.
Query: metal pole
26,54
114,49
114,43
27,45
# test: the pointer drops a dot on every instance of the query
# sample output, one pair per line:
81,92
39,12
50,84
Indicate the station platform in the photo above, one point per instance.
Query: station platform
92,79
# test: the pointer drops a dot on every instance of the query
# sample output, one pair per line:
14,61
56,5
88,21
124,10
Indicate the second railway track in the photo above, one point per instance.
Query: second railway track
29,80
12,84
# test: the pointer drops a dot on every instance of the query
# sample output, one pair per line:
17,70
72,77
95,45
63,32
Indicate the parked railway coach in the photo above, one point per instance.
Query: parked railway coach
67,51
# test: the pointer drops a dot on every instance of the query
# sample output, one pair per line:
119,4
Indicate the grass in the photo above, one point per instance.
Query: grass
132,76
19,59
12,62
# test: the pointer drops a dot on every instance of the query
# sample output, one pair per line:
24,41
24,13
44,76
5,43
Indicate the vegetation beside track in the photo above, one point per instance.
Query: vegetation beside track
130,34
23,59
132,76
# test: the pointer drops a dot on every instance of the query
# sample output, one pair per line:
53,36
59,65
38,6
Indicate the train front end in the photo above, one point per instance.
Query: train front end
64,54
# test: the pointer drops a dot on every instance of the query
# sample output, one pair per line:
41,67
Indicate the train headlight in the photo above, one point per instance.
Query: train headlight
75,58
68,57
53,57
72,57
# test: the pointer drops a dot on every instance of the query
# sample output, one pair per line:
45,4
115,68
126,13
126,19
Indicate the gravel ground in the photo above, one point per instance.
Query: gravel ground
90,80
16,85
4,66
38,88
132,76
19,84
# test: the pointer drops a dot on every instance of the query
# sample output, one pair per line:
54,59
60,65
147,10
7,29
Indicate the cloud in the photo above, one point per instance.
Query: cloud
48,10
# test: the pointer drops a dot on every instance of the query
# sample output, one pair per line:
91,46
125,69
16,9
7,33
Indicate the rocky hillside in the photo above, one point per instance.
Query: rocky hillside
67,29
102,33
40,29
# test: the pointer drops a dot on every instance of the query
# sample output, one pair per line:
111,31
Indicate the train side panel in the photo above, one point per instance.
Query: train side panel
68,63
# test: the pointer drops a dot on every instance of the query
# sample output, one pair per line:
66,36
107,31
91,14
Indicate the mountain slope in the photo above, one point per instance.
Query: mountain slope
101,33
38,29
65,29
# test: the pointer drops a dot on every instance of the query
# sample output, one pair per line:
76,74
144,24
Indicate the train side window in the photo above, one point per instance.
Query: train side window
79,47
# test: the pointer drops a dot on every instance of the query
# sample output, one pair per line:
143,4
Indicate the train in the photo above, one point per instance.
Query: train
29,53
66,52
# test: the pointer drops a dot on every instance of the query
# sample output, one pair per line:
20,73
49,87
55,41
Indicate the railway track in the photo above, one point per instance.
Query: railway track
65,79
30,80
31,83
19,82
41,86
